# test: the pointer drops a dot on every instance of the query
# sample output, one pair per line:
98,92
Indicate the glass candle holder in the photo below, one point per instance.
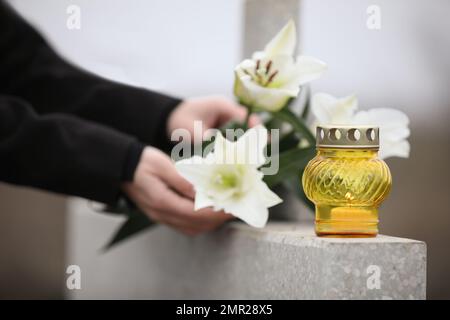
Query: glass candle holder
346,181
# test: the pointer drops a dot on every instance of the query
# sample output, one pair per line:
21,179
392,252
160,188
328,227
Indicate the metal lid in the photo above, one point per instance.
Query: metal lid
348,136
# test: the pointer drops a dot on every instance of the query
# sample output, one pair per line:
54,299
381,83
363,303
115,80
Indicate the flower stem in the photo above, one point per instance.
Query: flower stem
247,117
296,123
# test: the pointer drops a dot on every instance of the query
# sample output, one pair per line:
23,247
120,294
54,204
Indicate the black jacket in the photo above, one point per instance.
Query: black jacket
65,130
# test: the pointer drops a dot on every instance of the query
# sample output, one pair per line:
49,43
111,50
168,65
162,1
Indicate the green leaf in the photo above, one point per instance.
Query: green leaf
233,124
136,220
307,106
291,163
273,123
295,185
288,141
297,124
133,225
122,206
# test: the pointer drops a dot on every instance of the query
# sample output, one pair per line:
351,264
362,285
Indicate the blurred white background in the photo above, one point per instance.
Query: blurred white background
189,48
184,48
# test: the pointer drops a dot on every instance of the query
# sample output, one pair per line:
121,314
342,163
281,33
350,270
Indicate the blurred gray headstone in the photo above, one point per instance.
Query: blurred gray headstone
263,19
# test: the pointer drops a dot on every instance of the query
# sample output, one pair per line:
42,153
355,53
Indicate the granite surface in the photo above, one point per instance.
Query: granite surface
281,261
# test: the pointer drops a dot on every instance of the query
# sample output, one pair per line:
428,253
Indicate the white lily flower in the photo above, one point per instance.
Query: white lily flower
393,130
272,77
228,178
328,109
393,123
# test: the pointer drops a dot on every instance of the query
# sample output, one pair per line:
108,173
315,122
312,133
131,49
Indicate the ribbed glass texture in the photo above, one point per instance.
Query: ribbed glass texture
347,186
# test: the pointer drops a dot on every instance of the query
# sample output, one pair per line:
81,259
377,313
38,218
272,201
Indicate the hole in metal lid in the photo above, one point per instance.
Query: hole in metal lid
354,134
321,133
370,134
335,134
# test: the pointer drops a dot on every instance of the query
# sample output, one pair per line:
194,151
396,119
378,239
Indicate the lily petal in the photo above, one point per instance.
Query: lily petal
249,209
193,170
393,130
202,201
224,150
237,188
394,149
394,122
283,42
241,90
251,145
331,110
266,98
271,77
268,197
306,69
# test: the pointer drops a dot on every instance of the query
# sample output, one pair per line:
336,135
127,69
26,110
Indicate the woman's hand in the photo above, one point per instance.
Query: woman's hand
213,112
161,193
157,188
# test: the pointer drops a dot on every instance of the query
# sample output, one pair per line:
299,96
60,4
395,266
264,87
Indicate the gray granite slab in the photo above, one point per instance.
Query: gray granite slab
281,261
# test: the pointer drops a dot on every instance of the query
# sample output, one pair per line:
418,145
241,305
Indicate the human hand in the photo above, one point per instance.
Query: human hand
213,111
161,193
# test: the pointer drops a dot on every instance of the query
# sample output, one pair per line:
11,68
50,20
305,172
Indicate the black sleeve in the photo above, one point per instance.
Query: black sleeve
65,130
62,153
30,69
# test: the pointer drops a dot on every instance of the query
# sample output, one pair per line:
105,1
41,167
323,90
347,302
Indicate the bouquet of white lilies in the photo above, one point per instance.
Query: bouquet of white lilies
234,176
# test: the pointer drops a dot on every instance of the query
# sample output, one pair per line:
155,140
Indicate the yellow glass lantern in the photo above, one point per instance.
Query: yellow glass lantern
346,181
